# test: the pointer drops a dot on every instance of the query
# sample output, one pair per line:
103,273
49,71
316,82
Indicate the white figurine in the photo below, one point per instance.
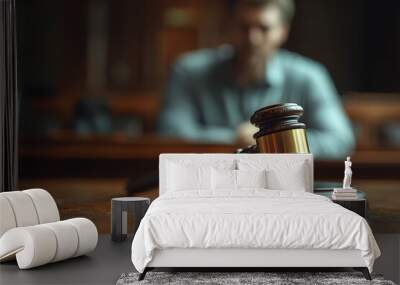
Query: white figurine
347,174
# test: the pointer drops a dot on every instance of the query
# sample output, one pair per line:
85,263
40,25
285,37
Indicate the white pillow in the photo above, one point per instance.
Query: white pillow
293,179
188,177
191,174
237,179
223,179
287,175
251,179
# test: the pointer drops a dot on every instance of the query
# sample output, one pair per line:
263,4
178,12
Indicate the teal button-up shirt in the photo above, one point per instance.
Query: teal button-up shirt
203,102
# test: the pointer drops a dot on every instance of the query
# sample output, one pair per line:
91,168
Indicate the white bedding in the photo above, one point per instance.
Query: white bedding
252,218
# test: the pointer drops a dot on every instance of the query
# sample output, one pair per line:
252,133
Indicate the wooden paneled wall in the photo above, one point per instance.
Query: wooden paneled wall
357,41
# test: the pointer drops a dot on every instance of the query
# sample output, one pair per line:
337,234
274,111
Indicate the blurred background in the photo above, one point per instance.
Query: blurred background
92,75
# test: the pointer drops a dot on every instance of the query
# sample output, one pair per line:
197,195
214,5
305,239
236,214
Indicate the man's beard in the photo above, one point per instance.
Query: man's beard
250,69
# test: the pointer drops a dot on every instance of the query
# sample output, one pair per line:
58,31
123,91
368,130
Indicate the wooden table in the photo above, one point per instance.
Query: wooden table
358,205
68,155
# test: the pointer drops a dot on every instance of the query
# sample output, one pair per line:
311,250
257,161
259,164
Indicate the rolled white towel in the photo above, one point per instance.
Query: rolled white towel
66,238
40,244
33,246
87,235
46,207
26,208
23,208
7,218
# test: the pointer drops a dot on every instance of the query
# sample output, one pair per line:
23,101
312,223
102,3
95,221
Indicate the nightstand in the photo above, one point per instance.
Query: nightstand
120,207
358,205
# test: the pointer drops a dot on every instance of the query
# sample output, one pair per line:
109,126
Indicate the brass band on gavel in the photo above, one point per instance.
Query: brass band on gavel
280,129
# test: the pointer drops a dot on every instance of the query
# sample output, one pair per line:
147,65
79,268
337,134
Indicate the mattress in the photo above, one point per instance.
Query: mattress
250,219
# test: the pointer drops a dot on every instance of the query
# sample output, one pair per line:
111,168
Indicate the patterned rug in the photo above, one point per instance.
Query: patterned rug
225,278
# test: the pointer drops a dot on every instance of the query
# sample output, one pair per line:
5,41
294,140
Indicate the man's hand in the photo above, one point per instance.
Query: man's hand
244,134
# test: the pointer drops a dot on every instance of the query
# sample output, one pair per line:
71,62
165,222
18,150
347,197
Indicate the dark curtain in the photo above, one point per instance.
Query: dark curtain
8,97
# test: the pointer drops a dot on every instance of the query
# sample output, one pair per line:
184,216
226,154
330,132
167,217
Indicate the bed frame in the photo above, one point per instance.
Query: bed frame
242,259
249,258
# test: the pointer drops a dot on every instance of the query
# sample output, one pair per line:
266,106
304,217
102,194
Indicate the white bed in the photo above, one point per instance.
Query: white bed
198,223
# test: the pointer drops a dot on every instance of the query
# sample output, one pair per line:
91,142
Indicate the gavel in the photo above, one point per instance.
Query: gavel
279,130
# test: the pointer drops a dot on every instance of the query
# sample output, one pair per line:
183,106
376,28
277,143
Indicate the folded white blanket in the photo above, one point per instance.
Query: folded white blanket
250,219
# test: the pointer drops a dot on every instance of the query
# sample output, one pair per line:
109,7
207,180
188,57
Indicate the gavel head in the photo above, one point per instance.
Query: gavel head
280,130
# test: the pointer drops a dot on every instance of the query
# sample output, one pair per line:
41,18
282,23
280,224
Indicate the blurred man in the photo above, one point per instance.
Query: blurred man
211,94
